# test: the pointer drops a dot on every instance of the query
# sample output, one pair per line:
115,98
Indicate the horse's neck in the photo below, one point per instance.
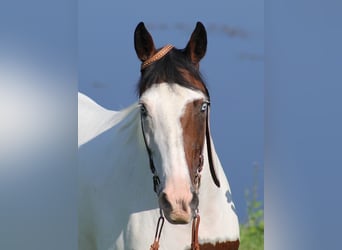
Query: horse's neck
218,218
114,177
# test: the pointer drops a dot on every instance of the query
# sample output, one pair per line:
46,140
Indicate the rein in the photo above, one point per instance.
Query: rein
194,232
160,224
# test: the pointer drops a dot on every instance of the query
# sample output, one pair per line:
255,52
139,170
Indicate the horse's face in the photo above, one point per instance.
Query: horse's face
174,112
174,120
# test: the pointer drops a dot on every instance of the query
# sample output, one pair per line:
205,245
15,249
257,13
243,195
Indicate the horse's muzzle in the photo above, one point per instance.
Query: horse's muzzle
178,211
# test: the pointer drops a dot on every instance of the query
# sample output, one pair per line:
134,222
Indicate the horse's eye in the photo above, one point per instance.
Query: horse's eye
143,110
204,106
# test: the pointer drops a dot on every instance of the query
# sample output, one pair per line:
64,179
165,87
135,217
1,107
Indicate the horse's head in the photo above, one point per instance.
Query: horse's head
174,104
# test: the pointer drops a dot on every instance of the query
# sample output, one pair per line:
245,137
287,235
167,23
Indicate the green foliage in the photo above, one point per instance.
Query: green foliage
252,232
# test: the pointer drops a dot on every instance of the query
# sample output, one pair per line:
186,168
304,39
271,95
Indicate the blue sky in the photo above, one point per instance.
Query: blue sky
233,69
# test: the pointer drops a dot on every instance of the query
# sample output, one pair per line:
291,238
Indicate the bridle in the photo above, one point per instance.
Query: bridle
197,176
155,178
196,181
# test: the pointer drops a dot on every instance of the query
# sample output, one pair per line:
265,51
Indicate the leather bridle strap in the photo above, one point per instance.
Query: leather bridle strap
157,56
160,224
194,233
210,156
155,178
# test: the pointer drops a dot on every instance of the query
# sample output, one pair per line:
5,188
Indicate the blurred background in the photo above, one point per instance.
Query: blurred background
48,47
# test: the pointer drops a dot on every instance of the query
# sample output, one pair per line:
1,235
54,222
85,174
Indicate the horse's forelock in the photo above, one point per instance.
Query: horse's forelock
173,68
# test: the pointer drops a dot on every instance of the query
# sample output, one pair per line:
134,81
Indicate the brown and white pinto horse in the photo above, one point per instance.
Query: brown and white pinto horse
167,134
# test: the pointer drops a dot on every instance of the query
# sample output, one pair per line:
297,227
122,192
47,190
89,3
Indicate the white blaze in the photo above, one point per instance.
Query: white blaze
165,104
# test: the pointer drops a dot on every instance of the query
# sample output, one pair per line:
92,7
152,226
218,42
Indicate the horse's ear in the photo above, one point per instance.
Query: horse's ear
143,42
197,44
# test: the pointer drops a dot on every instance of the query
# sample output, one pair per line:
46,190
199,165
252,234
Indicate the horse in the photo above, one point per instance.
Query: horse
155,159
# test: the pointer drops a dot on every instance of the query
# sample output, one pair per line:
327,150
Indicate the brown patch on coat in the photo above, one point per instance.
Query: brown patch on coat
191,79
193,124
228,245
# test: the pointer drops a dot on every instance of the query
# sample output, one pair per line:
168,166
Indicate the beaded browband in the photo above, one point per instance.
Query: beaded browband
161,53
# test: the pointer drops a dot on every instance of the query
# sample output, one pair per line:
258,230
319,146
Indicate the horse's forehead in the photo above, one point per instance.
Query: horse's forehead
165,97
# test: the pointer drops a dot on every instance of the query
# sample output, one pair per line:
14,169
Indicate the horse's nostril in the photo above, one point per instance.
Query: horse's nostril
164,200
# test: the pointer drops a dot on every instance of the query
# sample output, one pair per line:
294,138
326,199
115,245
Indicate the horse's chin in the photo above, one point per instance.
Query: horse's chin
178,217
